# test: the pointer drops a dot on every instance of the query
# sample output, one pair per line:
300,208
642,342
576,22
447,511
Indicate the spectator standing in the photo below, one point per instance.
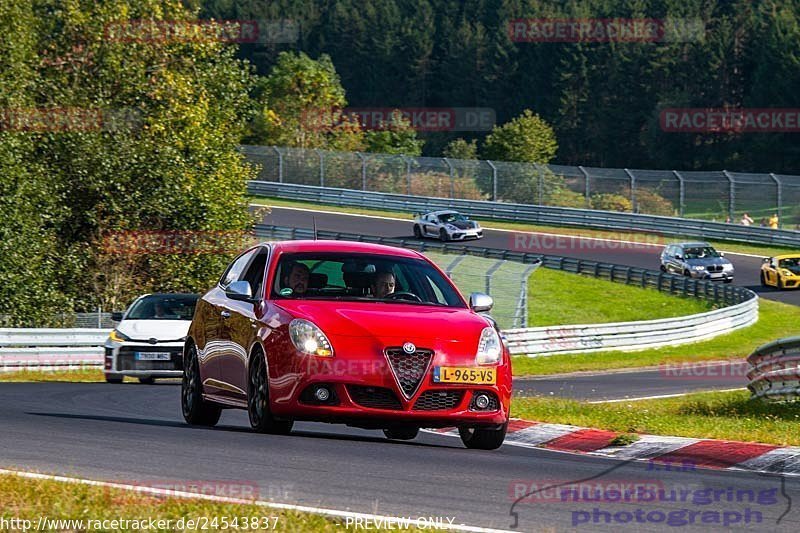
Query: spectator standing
746,220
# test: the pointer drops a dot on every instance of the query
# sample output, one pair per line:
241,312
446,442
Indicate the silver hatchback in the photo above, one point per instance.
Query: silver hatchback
697,260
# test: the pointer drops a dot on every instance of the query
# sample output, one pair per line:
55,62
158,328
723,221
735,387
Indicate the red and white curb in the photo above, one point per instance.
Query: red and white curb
674,451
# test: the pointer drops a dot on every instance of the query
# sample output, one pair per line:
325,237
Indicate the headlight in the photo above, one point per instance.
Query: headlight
451,227
489,347
699,267
309,339
727,266
116,336
787,273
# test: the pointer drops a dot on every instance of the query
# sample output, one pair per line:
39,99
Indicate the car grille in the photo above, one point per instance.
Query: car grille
374,397
126,358
437,400
714,268
409,369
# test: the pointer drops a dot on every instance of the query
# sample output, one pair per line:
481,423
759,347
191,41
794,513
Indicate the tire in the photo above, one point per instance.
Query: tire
687,273
401,433
113,379
147,381
483,439
729,280
781,284
261,419
196,411
443,235
417,231
663,268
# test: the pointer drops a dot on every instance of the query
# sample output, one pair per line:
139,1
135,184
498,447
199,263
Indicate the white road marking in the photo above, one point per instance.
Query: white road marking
559,235
224,499
620,400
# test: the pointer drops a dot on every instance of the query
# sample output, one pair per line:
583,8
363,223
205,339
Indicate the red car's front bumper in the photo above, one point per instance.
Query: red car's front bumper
366,392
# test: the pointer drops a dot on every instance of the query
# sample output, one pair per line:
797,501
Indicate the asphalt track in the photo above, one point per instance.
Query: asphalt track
666,380
643,254
134,434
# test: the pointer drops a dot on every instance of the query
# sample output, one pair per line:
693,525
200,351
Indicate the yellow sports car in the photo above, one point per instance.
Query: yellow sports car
781,271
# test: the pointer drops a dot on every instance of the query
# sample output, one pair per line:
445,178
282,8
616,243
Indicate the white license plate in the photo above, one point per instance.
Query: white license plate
153,356
717,275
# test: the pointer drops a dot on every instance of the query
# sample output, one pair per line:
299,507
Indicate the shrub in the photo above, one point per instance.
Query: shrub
610,202
652,203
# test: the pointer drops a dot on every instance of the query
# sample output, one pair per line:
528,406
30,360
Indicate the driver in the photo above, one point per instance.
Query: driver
383,284
295,277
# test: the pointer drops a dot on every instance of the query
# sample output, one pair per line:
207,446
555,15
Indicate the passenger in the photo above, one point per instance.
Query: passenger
295,278
383,284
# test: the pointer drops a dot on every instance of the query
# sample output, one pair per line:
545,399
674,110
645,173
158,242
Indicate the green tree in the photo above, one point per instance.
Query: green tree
161,155
396,136
527,138
461,149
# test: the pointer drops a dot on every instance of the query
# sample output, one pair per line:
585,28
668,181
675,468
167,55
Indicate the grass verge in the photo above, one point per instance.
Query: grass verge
30,499
78,375
776,320
713,415
639,237
561,298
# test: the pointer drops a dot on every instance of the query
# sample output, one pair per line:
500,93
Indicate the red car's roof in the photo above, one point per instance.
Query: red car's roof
341,246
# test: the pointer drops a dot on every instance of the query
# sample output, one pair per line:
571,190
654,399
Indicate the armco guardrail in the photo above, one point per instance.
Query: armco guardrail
632,335
739,305
530,214
51,348
775,370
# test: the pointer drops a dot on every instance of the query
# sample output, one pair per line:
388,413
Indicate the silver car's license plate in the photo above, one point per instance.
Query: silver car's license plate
153,356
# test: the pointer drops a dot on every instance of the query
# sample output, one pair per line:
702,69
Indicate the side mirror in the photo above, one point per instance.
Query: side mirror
239,290
722,254
116,316
480,302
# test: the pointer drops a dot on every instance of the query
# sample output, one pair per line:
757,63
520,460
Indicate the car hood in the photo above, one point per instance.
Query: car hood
163,330
389,320
708,261
463,224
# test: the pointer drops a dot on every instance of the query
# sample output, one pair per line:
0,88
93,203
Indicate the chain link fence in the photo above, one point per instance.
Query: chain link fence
715,195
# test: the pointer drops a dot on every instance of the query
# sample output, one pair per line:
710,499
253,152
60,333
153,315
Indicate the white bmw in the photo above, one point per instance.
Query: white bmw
447,225
147,343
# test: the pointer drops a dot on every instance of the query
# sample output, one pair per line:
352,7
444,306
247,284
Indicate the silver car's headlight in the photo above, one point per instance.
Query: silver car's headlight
728,266
309,339
490,348
698,267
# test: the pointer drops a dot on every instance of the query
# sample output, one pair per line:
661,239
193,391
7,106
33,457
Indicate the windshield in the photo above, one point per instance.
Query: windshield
704,252
362,277
163,307
452,217
792,264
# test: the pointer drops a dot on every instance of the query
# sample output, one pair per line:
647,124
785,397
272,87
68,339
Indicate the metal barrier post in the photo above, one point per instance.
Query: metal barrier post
408,173
280,164
681,192
490,273
321,166
541,182
452,178
363,170
633,190
779,198
731,194
586,180
494,180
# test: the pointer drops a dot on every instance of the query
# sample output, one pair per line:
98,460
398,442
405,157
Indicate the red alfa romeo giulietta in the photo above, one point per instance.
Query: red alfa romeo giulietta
362,334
